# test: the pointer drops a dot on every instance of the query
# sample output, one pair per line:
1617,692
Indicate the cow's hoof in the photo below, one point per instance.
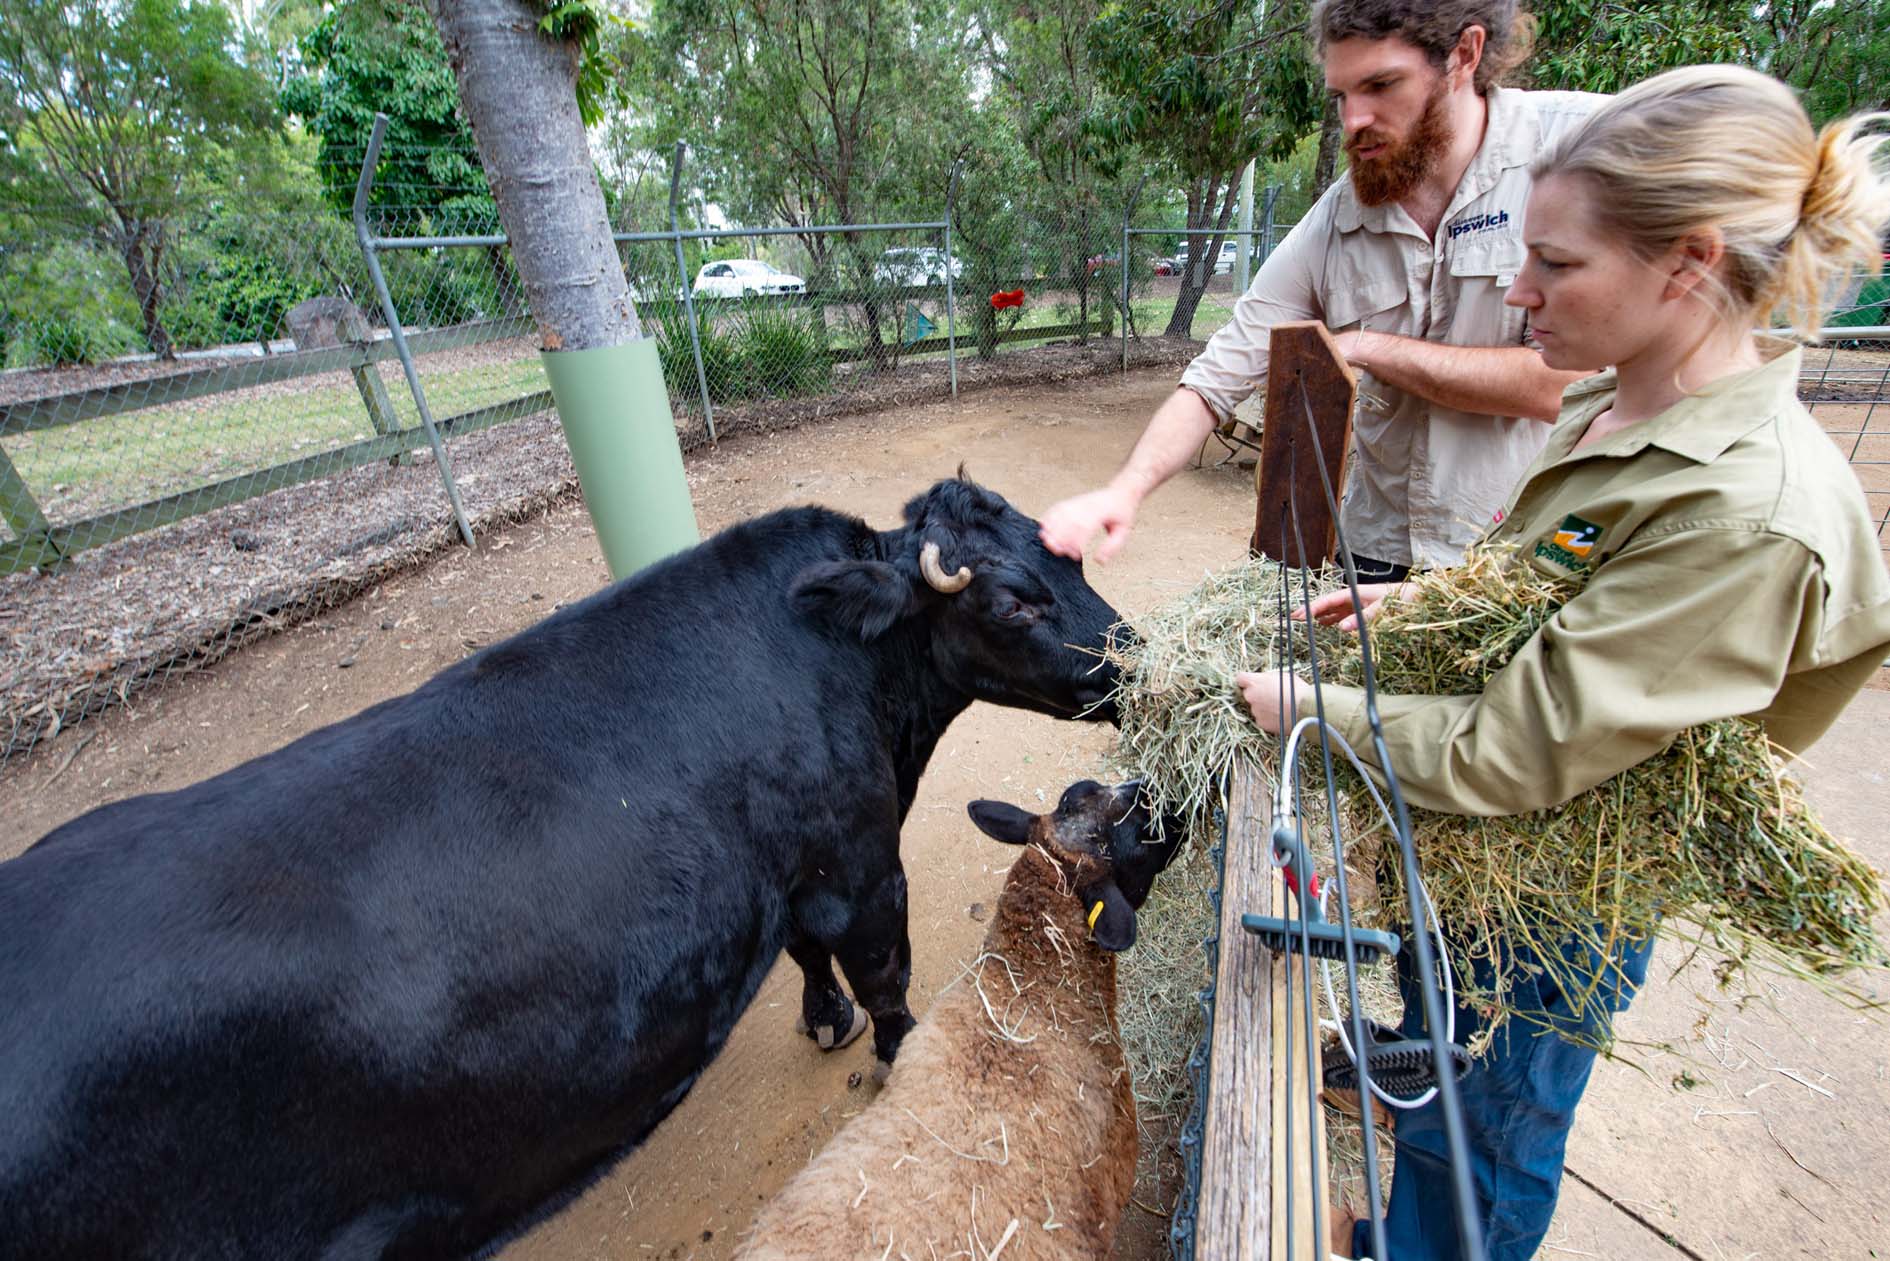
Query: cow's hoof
823,1034
881,1071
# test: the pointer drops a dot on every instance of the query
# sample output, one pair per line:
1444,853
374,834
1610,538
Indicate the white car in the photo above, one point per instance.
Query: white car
744,278
916,265
1222,265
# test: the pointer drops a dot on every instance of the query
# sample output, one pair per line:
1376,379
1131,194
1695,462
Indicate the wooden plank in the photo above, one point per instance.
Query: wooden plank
131,396
1248,1170
18,508
109,527
1302,353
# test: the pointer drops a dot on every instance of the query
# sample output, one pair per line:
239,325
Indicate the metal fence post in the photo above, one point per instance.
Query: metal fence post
951,303
1243,257
1126,210
1266,222
688,292
394,330
1128,213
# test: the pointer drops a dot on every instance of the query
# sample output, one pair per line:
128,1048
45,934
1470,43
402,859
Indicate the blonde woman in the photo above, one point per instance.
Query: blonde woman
1727,561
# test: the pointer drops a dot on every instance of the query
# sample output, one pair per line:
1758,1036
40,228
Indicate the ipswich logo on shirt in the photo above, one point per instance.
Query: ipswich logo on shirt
1479,223
1570,544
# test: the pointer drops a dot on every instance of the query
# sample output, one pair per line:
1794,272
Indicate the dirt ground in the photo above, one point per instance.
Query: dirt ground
771,1099
1772,1143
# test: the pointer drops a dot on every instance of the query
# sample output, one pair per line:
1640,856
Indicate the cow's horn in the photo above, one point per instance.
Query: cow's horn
935,575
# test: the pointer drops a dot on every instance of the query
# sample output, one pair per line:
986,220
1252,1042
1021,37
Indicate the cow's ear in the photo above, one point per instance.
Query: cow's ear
1002,822
862,596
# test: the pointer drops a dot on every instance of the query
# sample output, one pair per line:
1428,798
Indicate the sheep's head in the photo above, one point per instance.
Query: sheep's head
1107,840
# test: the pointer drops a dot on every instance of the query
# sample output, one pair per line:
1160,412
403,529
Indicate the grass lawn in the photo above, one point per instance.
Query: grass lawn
96,465
113,461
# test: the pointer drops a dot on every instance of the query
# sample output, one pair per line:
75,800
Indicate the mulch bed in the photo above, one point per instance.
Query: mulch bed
120,618
22,384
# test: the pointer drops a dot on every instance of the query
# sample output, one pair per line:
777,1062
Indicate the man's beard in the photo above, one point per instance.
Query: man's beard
1395,174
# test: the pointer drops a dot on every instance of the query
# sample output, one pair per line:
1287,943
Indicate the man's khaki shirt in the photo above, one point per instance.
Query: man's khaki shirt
1728,565
1424,478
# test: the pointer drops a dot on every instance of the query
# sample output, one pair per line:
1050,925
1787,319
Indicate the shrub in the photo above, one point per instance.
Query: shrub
437,288
784,350
236,298
61,340
759,350
721,358
66,303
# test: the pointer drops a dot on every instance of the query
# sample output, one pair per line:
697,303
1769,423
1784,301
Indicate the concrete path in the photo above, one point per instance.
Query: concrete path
1771,1138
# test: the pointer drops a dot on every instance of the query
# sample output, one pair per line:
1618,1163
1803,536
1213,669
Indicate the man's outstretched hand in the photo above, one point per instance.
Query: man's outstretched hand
1068,526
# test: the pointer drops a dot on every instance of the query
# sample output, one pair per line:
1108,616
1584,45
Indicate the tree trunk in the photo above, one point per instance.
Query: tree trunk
518,89
877,310
1188,296
145,285
1203,252
1330,134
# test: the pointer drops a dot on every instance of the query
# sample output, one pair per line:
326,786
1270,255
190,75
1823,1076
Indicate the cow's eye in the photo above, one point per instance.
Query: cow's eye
1008,608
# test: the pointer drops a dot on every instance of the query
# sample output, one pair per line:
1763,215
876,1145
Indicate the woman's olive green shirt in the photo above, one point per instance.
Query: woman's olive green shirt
1727,565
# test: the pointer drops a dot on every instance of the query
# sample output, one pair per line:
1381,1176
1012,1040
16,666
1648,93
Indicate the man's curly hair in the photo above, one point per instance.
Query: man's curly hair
1434,29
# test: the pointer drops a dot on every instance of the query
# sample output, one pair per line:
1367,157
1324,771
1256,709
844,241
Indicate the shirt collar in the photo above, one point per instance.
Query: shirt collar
1699,427
1510,132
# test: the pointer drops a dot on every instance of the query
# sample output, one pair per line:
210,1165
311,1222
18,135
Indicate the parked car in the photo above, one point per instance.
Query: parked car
744,278
916,265
1222,265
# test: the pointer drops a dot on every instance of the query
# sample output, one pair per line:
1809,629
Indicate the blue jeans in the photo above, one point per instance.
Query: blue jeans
1518,1104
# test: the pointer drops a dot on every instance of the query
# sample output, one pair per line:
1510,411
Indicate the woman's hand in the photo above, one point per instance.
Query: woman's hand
1266,693
1334,608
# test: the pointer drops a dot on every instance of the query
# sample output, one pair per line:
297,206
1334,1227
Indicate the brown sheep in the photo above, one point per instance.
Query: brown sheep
1007,1128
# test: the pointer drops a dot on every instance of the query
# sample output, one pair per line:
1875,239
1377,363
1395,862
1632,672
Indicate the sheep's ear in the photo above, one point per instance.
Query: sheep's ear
1111,918
1002,822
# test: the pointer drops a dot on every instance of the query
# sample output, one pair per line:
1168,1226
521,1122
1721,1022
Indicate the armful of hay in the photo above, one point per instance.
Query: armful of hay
1710,842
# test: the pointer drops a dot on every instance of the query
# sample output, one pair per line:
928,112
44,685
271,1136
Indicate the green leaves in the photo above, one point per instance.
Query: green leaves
1206,85
377,55
809,111
1838,55
1604,46
109,110
117,103
586,23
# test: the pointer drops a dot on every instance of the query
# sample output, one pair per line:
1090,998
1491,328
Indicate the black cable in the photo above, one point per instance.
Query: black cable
1469,1233
1375,1215
1289,702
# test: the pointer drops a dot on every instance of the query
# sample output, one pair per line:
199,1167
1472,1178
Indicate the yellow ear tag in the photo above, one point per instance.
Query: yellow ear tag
1095,913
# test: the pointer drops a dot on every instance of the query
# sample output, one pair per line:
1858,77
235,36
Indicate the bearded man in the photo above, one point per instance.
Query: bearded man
1407,260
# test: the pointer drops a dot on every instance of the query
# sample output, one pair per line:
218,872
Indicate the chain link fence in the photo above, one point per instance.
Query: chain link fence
157,512
1846,385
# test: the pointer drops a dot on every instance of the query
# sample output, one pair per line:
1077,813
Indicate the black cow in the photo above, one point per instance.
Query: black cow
406,985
